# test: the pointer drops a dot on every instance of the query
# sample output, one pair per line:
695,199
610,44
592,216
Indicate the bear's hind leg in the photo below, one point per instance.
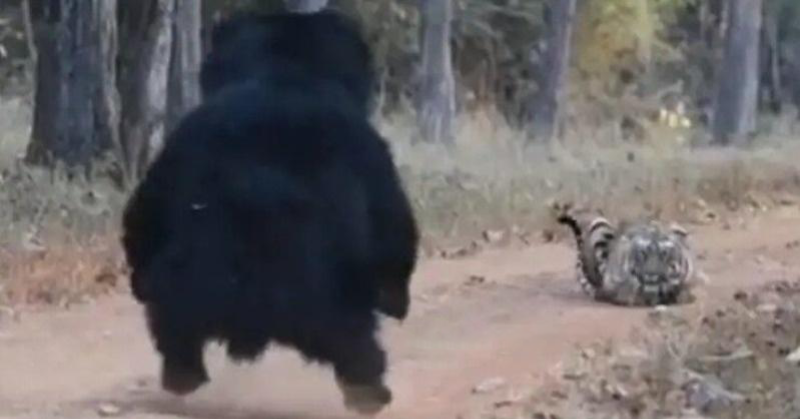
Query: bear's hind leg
358,360
183,369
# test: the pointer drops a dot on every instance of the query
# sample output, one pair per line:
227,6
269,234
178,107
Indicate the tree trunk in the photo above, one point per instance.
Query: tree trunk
792,62
27,24
145,50
210,16
548,104
437,107
770,59
187,50
76,114
737,86
305,6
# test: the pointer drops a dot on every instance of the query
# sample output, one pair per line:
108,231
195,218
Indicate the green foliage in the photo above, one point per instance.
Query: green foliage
788,12
630,61
392,29
497,47
13,51
669,12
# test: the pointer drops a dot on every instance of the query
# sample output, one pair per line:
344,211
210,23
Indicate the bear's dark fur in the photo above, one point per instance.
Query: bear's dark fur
275,213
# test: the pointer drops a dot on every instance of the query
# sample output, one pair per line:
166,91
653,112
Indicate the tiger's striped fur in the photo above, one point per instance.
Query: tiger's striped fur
593,249
639,263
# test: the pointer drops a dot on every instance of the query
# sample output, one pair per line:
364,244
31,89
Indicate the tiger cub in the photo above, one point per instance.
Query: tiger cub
634,264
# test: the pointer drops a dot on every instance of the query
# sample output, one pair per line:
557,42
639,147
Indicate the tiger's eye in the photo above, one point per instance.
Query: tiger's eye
675,268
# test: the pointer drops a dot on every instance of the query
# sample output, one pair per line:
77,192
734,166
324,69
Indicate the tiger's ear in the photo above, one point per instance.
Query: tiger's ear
602,227
678,230
560,208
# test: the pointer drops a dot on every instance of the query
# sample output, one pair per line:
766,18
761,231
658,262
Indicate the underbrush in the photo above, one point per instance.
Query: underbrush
737,362
60,234
61,273
493,179
58,237
15,117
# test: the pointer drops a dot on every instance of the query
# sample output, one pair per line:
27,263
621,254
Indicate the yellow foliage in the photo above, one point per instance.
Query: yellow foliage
616,35
612,35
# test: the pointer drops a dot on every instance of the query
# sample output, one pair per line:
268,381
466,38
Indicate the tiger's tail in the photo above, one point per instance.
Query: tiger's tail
573,224
593,244
564,214
600,236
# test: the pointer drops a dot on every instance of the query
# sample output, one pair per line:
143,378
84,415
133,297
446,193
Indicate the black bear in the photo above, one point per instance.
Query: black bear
275,213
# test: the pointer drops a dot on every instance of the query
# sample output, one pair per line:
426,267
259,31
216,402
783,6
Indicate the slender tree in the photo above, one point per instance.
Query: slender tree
75,111
187,51
736,100
27,24
547,108
772,88
436,108
146,40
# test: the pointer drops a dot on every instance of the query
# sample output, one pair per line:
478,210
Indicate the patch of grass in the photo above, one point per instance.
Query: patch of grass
732,363
15,117
58,236
61,272
35,203
493,179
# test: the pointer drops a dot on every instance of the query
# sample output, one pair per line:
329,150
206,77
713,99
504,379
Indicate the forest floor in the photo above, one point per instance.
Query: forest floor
495,333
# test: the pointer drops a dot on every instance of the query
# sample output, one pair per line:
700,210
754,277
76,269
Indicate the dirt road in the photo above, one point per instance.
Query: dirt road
516,324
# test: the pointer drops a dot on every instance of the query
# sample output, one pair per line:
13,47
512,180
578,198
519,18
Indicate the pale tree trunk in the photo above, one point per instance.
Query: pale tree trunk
549,101
75,115
27,23
305,6
436,108
736,101
146,31
187,51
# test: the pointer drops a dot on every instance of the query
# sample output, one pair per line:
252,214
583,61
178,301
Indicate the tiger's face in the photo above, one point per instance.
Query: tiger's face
657,260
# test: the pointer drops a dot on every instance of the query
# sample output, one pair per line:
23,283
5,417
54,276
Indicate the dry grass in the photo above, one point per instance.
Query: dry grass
58,237
61,273
492,180
732,363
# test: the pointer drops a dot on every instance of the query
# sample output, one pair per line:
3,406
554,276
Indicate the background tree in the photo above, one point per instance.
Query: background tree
146,32
770,63
436,109
86,104
75,114
554,68
788,22
187,54
27,24
738,76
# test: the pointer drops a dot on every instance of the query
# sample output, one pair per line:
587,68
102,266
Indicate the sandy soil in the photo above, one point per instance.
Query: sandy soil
515,323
